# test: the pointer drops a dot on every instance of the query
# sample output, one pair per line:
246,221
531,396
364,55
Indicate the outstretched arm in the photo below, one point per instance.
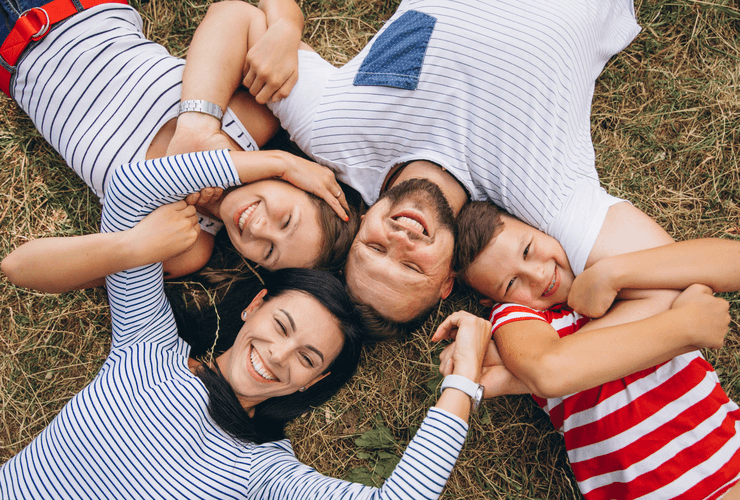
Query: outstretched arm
710,261
552,366
56,265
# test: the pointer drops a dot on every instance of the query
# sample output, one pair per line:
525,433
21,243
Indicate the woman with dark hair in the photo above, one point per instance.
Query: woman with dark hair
155,423
103,95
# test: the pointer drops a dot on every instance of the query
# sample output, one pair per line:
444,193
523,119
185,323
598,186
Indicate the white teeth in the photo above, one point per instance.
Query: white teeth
245,215
554,276
411,222
257,365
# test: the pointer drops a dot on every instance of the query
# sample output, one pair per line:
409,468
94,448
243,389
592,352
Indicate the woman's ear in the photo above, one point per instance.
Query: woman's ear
256,302
317,379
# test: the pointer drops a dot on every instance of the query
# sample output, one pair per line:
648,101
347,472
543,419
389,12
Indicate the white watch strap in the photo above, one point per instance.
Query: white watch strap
201,106
208,224
464,384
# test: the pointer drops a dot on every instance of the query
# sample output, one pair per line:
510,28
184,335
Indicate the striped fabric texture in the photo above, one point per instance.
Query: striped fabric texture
98,91
666,432
141,428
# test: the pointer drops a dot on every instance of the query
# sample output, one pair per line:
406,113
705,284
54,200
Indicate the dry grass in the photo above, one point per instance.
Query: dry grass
665,123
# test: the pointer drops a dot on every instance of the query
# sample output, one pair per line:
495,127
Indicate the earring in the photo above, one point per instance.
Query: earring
244,315
302,389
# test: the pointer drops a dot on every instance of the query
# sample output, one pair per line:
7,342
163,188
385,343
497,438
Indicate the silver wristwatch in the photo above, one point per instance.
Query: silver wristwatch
201,106
475,391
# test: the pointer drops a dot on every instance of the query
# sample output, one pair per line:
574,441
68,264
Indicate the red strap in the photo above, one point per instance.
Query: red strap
34,24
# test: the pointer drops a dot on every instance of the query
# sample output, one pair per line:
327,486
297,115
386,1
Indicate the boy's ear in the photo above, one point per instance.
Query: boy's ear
486,302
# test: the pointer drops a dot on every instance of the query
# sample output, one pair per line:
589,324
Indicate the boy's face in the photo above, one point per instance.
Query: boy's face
522,265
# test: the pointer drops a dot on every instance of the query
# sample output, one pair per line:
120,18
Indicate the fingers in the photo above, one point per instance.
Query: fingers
448,328
338,203
192,198
284,91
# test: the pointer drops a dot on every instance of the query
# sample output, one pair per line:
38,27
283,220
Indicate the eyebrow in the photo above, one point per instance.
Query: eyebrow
308,346
290,318
290,235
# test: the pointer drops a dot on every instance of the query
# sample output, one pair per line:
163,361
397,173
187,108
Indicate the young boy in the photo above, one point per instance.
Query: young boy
632,428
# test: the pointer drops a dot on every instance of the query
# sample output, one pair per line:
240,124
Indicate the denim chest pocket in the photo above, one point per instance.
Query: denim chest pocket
396,57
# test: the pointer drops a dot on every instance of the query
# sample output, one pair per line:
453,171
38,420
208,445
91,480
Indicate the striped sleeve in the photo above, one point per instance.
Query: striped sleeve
139,308
421,474
502,314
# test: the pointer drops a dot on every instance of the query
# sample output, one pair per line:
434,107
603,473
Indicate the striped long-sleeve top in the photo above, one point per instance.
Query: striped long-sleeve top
141,428
99,91
669,431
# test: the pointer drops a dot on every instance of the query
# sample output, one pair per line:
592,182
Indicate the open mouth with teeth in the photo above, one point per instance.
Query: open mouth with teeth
554,284
411,222
241,218
258,368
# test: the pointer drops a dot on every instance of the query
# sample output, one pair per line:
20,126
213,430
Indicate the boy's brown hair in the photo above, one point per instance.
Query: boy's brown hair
477,224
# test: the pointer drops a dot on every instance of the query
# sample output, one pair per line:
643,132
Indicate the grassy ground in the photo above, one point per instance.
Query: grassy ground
665,124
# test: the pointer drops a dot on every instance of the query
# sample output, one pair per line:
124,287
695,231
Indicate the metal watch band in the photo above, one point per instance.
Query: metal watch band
475,391
201,106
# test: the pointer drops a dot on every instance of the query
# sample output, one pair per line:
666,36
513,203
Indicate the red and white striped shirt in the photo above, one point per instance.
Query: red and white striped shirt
666,432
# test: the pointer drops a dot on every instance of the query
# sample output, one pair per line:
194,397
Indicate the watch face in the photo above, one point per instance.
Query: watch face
478,397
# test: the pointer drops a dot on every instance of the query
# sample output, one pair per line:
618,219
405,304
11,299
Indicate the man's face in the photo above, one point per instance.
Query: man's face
399,262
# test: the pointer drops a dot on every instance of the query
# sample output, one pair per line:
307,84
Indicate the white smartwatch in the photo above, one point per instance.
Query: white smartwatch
201,106
475,391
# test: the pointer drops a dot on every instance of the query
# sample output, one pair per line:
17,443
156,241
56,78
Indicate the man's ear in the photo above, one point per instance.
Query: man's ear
446,289
486,302
256,302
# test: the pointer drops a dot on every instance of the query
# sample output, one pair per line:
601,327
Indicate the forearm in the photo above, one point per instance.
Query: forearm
285,12
56,265
215,60
711,261
553,367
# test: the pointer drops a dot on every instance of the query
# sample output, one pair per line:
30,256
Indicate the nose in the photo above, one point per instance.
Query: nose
261,227
279,352
535,272
399,239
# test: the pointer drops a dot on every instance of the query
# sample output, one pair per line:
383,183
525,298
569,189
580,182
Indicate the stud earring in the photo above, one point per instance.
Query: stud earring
244,315
302,389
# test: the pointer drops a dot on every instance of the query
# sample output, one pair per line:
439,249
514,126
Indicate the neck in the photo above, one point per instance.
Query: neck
456,195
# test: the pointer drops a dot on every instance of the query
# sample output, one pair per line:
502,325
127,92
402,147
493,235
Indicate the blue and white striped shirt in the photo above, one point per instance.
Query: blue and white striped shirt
141,428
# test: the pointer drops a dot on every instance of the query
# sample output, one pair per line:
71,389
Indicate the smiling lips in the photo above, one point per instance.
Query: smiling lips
554,284
241,219
259,371
411,223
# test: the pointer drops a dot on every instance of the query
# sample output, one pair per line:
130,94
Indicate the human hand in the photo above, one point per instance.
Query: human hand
707,317
593,291
271,65
207,201
313,178
166,232
472,336
495,377
197,132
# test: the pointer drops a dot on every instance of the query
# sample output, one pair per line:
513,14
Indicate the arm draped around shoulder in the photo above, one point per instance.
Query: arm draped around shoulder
138,305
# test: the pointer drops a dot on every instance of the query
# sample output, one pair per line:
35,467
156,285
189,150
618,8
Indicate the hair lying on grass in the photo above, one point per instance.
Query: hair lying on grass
271,415
477,224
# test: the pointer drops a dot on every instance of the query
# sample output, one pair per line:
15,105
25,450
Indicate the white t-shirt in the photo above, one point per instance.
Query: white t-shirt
502,101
